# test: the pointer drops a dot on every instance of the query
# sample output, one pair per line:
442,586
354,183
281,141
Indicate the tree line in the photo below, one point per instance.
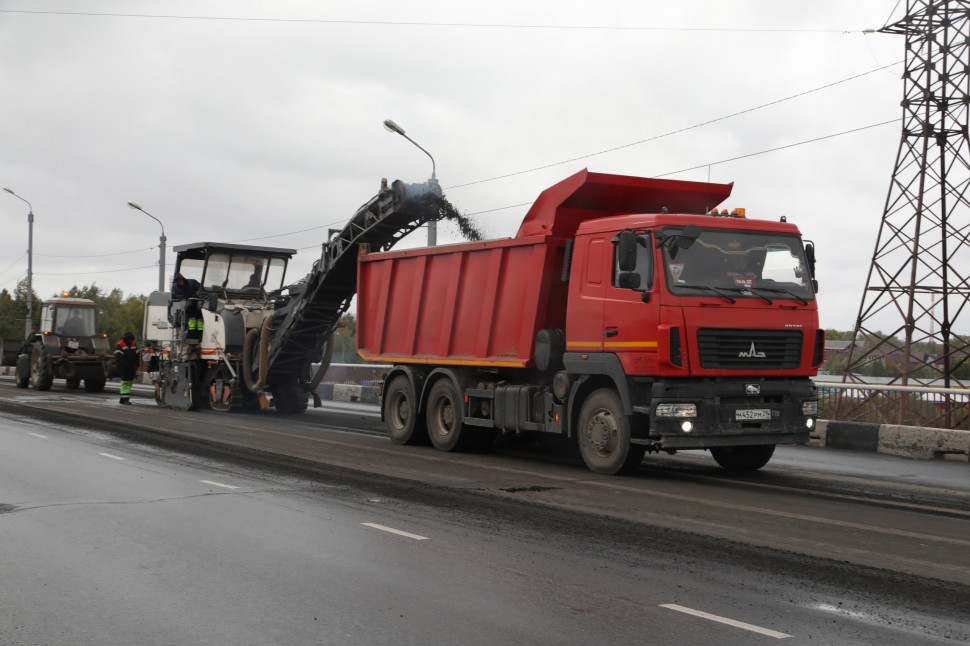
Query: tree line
118,313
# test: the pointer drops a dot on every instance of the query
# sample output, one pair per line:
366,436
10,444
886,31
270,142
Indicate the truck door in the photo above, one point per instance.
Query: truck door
630,311
588,281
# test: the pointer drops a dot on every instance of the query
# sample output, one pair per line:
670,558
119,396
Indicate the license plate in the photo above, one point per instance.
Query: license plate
73,345
748,414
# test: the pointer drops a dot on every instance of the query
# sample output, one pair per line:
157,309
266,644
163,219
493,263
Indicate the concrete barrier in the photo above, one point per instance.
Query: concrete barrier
914,442
352,393
924,443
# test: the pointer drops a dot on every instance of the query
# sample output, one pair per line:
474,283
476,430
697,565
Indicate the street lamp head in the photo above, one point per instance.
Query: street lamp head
132,205
8,190
390,126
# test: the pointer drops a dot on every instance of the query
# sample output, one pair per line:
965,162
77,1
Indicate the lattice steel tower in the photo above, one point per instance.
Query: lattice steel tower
918,281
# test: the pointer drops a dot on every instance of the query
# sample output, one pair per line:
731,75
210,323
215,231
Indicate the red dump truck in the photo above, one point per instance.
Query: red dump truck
627,315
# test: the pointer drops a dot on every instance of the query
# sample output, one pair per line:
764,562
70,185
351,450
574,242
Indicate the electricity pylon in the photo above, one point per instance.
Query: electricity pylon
917,286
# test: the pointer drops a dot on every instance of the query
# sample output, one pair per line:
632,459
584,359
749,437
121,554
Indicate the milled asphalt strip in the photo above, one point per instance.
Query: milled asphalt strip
396,531
793,516
652,494
724,620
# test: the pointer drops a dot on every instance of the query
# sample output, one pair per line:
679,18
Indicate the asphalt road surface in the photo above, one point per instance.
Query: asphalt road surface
142,525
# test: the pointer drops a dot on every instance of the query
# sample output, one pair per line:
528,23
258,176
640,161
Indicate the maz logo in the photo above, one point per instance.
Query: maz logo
752,353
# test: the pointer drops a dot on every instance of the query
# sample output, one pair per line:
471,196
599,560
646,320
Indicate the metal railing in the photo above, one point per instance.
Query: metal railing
946,408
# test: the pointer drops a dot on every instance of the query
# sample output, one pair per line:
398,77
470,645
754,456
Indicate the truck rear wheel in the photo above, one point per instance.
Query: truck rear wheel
743,458
40,375
604,435
400,409
445,415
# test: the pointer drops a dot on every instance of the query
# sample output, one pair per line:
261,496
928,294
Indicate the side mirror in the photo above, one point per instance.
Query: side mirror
626,251
628,280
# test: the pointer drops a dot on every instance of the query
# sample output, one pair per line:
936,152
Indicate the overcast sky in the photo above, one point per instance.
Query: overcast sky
261,122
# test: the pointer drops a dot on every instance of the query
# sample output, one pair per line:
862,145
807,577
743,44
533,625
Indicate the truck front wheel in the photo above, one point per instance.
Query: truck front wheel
40,375
743,458
400,410
604,435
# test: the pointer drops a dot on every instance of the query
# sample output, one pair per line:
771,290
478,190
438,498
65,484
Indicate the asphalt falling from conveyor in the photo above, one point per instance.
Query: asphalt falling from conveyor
441,209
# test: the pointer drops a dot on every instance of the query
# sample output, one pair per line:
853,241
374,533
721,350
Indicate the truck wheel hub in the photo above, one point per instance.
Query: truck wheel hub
403,411
601,431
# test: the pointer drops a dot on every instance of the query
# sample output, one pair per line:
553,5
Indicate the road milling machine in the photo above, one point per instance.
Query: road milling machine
262,342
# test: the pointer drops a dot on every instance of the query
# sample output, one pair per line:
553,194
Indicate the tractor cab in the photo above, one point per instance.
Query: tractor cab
71,319
233,271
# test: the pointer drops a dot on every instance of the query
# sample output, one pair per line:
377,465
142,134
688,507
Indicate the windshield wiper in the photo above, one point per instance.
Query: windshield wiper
782,290
713,289
755,291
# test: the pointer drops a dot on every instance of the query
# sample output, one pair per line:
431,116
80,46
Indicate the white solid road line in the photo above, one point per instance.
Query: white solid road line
113,457
725,620
396,531
217,484
43,437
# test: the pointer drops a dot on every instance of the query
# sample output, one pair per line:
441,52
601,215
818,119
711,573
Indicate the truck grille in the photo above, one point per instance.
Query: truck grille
749,349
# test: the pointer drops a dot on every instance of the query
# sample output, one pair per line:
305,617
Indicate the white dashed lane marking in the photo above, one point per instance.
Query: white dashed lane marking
724,620
396,531
43,437
113,457
217,484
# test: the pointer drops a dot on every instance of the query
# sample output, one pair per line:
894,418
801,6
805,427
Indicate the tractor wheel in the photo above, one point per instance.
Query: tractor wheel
40,375
22,374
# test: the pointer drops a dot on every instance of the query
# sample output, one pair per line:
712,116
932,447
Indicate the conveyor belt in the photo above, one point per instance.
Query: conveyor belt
317,302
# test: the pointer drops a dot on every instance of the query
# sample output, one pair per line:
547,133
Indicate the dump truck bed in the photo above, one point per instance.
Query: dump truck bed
478,303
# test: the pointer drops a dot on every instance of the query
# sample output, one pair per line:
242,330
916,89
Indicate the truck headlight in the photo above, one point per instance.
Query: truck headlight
676,410
810,408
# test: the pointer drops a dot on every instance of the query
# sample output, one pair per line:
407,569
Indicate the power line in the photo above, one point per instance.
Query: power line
395,23
724,161
777,148
280,235
674,132
14,263
84,273
100,255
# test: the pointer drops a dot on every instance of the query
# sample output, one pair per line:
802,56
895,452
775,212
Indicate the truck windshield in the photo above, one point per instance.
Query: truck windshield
743,263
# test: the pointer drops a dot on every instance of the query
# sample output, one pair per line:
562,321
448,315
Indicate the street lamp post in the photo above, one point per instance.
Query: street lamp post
432,225
161,246
29,323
